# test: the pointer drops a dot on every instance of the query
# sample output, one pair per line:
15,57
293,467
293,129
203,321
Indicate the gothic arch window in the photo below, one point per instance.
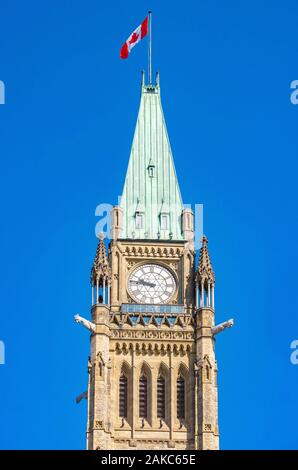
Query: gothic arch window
180,387
151,171
207,372
161,390
100,369
143,396
164,221
123,395
139,220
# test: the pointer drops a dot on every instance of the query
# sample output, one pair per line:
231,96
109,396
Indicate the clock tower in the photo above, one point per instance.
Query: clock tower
152,368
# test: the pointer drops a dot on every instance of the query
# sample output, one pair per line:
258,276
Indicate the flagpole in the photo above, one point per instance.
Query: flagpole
150,48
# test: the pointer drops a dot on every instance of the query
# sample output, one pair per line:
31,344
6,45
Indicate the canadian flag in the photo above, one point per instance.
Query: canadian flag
134,38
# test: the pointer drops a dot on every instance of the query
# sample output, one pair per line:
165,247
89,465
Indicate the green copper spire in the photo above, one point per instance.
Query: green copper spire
151,200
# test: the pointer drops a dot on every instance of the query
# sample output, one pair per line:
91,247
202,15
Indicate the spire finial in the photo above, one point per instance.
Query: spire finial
204,241
100,270
205,269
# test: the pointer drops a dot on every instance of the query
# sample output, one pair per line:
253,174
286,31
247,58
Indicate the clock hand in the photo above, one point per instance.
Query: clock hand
144,283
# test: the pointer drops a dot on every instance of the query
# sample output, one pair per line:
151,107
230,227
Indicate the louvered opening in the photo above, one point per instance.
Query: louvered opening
180,398
123,396
161,397
143,397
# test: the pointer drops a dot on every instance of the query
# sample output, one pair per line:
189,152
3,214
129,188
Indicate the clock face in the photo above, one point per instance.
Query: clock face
151,284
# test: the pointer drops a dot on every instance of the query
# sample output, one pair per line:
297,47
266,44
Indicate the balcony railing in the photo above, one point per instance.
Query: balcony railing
150,308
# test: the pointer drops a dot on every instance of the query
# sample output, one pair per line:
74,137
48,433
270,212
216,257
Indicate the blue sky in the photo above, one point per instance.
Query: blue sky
65,136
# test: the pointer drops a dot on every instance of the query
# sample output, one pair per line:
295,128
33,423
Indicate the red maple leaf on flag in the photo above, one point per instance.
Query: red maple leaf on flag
133,38
139,33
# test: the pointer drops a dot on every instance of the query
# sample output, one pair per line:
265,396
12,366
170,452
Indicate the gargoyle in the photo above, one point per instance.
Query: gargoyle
86,323
80,397
222,326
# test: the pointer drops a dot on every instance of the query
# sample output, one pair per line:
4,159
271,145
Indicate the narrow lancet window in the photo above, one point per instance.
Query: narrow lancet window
143,397
123,396
180,398
164,221
161,397
151,171
139,220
